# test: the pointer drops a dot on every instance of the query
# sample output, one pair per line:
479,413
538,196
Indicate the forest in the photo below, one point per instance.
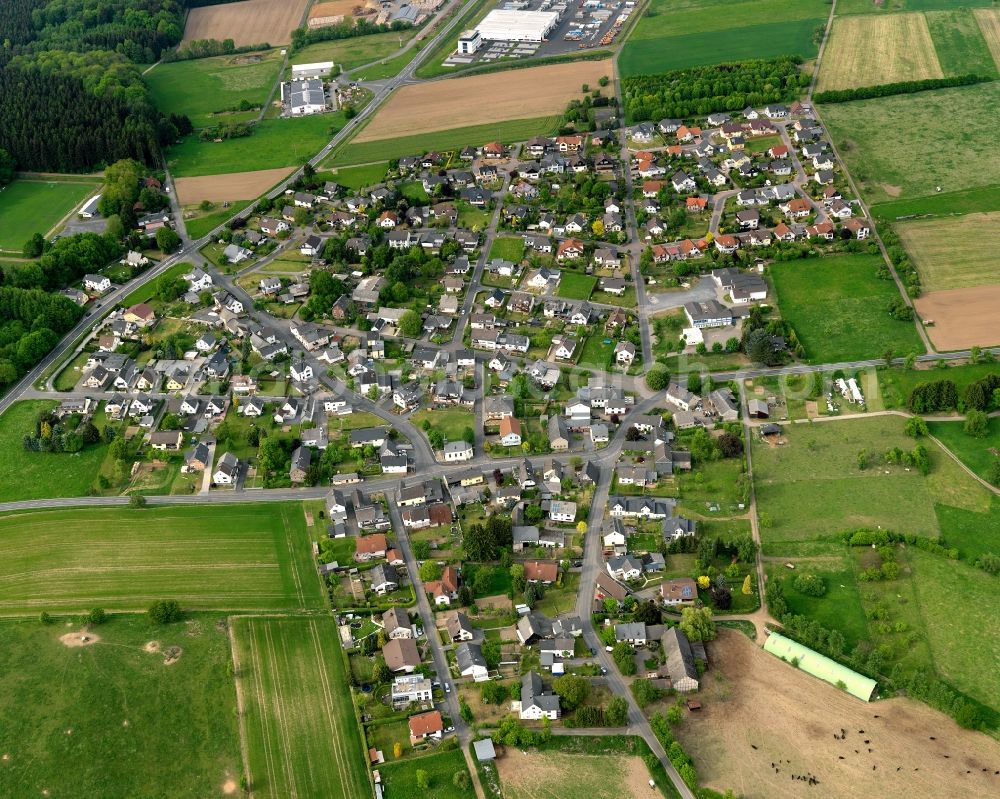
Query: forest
687,93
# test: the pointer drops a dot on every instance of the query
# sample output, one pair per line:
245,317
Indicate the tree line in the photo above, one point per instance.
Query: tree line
698,91
901,87
943,395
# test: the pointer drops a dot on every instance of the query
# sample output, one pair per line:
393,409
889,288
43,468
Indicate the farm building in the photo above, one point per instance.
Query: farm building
309,71
503,25
821,666
304,96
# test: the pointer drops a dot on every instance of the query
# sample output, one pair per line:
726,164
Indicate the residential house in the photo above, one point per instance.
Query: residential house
536,703
401,655
471,662
681,591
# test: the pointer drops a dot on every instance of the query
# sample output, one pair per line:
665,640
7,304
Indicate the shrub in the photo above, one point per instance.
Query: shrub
810,585
165,611
97,616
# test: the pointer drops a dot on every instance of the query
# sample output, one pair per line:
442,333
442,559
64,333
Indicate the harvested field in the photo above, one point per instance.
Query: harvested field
229,188
962,317
866,51
248,22
953,252
763,711
546,774
455,103
334,8
989,24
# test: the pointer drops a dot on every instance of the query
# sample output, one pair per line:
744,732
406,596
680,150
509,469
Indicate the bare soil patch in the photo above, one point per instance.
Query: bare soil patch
869,50
80,638
152,647
498,602
228,188
171,655
546,775
333,8
248,22
229,787
458,102
962,317
765,712
989,24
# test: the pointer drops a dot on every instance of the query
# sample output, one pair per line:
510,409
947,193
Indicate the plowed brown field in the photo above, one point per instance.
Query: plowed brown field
249,22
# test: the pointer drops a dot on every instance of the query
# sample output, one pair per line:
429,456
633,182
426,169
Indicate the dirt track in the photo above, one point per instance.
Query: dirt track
222,188
483,99
765,711
962,317
248,22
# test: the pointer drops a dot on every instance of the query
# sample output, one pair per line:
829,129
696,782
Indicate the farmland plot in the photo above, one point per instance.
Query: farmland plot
958,40
868,51
298,718
239,557
229,188
247,22
953,252
989,24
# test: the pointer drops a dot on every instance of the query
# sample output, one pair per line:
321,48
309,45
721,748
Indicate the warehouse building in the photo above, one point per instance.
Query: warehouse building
304,97
309,71
503,25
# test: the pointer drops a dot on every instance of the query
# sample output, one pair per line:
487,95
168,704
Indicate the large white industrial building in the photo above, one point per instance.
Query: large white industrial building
502,25
308,71
304,97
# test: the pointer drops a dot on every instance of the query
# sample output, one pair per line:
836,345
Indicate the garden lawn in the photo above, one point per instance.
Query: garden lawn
906,146
450,422
28,207
444,140
674,34
838,307
400,779
595,352
147,290
301,730
202,225
237,557
275,143
203,87
42,475
576,286
172,729
510,248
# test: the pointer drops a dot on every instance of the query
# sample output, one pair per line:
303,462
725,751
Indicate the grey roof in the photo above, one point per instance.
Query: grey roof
533,695
525,535
384,573
630,631
468,655
680,658
306,92
484,749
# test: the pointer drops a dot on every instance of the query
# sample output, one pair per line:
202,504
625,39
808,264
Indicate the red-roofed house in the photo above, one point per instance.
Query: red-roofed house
426,725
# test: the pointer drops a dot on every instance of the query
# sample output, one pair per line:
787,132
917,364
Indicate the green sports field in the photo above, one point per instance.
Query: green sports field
28,207
301,732
232,557
368,152
203,88
111,719
838,305
674,34
275,143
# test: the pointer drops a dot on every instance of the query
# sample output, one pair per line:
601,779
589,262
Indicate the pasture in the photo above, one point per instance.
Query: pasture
110,718
275,143
452,103
959,42
357,177
399,779
675,34
989,24
238,557
865,51
953,252
228,188
755,698
367,152
838,307
526,775
962,317
907,146
296,711
247,22
976,453
206,88
41,475
30,206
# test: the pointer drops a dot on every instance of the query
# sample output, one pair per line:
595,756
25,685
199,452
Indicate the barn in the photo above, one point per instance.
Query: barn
820,666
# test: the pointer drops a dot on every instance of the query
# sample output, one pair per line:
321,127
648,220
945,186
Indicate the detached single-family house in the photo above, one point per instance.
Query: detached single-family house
471,662
536,703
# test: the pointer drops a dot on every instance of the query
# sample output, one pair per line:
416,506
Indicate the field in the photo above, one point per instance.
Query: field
354,52
989,24
820,462
870,7
299,723
248,22
576,286
275,143
959,42
453,103
755,699
28,207
953,252
357,177
543,774
965,201
172,729
382,150
203,222
962,317
510,248
864,51
400,779
973,452
906,146
674,34
40,475
838,308
229,188
896,384
212,557
203,88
